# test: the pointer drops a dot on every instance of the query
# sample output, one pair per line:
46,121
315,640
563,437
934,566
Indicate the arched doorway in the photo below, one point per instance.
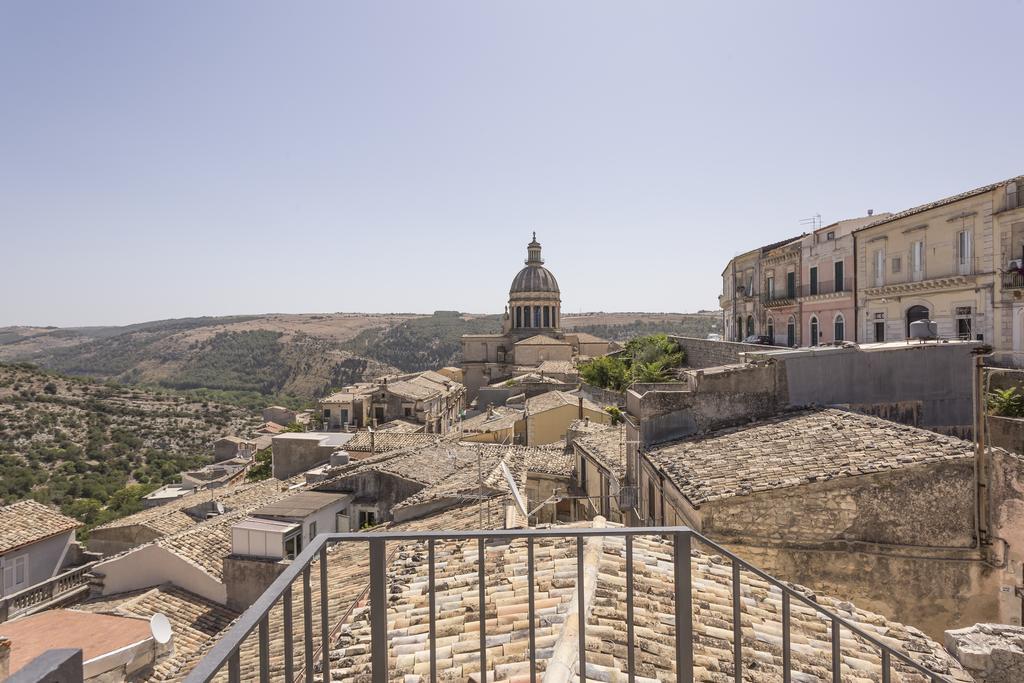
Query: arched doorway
770,330
813,341
915,313
791,332
750,325
839,325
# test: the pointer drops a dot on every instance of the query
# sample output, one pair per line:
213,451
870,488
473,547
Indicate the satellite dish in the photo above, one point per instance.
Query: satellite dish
161,628
520,503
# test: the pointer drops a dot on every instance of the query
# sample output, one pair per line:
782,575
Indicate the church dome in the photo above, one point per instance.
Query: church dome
534,277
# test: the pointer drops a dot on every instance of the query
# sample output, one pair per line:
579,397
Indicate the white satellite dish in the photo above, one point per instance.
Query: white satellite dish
520,503
161,628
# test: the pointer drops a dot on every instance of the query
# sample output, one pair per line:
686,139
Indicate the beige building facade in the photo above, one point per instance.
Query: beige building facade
939,261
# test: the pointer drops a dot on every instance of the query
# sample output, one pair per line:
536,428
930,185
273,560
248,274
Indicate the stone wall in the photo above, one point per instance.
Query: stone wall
1006,432
721,397
704,353
923,506
991,653
1006,528
246,578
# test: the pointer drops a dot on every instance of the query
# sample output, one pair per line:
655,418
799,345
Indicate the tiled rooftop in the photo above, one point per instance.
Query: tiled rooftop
555,573
501,417
556,399
541,340
348,579
393,441
551,459
195,621
27,521
400,427
171,517
608,447
562,367
796,448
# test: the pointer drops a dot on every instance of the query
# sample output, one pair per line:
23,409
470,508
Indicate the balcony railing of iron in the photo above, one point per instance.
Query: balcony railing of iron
1013,279
41,594
827,287
779,298
226,652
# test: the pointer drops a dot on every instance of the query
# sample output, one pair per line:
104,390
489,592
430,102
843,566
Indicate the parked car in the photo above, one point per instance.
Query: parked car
714,337
758,339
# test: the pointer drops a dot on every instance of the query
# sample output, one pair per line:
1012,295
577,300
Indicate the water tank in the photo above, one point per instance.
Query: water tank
339,458
924,329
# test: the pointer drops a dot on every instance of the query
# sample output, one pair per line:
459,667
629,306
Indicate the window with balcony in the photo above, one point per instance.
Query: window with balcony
770,286
814,280
790,285
838,273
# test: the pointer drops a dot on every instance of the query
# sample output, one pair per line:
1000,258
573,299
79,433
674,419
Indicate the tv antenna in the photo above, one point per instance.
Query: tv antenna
814,222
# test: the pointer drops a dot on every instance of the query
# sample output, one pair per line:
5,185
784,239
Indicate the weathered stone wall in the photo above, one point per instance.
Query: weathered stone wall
603,397
721,397
928,505
1006,527
1006,432
704,353
991,653
246,578
930,590
938,377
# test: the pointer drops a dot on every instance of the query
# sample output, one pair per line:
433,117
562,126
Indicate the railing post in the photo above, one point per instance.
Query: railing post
378,611
684,607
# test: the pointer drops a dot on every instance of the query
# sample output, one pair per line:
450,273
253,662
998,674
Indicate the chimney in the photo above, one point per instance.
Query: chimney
871,212
581,408
373,448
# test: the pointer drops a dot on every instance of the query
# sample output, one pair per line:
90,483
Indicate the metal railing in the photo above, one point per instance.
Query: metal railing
43,594
226,652
1013,279
780,298
827,287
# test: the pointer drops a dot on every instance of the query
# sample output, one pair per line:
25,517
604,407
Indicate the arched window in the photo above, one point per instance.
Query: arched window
750,325
840,327
519,316
813,341
915,313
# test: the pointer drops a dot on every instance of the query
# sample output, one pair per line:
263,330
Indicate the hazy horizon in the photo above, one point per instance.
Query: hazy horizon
171,160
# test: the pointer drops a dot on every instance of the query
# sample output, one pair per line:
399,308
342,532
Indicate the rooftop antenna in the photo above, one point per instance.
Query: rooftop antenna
814,222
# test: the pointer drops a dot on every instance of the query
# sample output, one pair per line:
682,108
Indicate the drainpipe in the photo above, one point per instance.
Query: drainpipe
856,307
581,408
981,502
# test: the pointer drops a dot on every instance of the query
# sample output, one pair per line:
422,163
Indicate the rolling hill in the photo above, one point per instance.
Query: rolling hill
290,358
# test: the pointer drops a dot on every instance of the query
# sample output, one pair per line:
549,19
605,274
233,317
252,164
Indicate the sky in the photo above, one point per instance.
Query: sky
176,159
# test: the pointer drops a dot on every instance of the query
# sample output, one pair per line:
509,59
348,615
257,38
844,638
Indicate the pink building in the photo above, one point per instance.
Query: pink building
826,297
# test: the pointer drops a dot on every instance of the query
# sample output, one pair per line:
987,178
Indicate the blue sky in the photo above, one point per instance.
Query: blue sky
204,158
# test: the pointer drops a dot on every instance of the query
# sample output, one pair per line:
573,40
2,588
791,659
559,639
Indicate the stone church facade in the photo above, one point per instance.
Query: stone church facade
531,330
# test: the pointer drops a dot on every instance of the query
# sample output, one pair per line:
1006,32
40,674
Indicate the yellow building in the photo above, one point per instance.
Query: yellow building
549,415
494,425
939,261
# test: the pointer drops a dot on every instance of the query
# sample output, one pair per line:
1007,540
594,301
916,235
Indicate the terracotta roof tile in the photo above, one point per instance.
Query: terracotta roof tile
27,521
795,448
555,575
